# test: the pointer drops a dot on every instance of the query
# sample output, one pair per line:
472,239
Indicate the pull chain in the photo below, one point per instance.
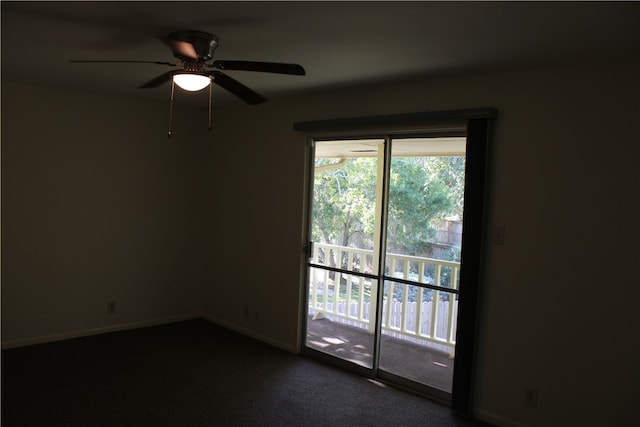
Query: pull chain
171,108
210,110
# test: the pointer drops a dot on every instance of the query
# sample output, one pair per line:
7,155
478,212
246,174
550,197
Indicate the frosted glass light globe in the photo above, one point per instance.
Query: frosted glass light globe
192,82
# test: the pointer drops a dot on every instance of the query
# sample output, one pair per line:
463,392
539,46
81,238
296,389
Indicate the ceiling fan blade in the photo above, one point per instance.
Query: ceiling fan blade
182,49
89,61
265,67
236,88
162,78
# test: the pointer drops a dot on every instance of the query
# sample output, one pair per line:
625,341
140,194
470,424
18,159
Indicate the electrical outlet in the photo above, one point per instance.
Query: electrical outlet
246,310
111,307
531,398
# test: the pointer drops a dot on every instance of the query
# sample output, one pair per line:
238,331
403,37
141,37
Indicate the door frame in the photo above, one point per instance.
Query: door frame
477,125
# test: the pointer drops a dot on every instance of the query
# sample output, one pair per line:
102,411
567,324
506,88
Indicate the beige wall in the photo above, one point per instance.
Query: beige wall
563,183
98,205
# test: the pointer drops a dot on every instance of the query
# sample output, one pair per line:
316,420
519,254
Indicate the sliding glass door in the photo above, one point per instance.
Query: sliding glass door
387,210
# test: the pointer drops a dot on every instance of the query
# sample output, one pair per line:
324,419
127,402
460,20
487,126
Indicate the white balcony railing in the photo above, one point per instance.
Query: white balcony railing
421,315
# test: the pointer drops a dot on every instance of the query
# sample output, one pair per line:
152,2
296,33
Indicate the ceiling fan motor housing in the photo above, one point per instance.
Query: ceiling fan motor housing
204,43
193,67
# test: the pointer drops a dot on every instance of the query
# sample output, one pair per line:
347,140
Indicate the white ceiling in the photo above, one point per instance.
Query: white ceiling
340,44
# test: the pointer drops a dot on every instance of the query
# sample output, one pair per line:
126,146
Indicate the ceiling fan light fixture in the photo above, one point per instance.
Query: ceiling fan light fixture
192,82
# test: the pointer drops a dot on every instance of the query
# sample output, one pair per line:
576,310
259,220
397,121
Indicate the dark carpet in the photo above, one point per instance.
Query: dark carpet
194,373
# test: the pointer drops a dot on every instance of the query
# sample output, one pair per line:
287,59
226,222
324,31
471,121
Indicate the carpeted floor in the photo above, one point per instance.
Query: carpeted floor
194,373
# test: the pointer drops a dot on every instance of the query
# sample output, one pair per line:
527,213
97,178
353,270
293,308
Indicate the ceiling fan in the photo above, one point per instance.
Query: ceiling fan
194,49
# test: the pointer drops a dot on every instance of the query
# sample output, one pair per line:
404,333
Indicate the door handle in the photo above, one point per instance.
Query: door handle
309,250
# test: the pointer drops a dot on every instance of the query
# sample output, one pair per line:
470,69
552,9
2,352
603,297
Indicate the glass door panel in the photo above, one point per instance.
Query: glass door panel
343,264
422,260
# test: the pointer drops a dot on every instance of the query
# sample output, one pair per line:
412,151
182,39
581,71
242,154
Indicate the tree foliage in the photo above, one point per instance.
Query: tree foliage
422,191
415,200
344,203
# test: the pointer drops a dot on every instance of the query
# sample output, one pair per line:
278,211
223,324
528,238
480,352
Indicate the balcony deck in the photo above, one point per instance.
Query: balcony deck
398,356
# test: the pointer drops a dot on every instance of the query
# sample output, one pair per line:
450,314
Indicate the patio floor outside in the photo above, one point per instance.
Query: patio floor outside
400,357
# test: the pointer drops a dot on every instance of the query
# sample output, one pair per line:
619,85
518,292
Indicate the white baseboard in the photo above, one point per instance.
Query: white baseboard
95,331
260,337
21,342
494,419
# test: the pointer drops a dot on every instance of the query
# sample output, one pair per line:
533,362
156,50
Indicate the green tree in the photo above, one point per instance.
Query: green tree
449,170
422,191
415,200
344,201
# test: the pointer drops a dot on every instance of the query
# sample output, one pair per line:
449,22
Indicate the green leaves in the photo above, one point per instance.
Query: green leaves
344,202
423,191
